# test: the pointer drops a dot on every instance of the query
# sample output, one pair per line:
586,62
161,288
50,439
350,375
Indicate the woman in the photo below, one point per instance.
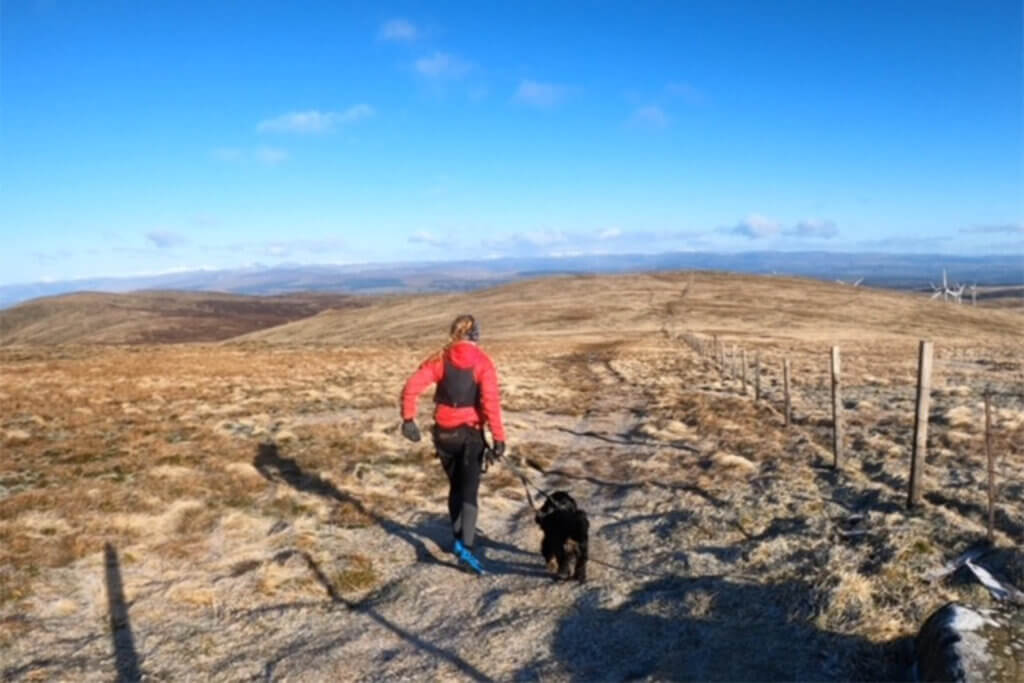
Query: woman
466,399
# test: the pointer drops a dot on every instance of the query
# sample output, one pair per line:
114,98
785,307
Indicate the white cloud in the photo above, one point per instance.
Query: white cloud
609,234
753,227
442,65
820,228
423,237
537,94
650,115
398,30
315,121
164,239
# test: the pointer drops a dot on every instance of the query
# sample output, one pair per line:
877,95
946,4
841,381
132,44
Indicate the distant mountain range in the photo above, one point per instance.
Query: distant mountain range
901,271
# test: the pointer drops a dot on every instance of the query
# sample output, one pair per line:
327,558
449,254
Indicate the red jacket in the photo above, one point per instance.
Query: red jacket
463,355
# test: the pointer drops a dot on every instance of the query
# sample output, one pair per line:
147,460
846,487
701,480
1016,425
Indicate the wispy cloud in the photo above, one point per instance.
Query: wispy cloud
424,237
315,121
164,239
543,95
1005,228
442,65
398,30
281,248
531,240
904,242
753,227
650,116
817,228
551,242
685,91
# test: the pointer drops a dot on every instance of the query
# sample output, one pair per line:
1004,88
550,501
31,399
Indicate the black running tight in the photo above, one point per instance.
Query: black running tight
461,453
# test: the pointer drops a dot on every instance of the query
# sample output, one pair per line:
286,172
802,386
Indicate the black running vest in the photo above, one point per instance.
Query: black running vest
457,387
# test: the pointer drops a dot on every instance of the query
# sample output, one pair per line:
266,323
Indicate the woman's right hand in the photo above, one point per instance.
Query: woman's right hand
410,430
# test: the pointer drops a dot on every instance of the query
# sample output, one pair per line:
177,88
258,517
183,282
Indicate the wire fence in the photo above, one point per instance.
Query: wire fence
864,405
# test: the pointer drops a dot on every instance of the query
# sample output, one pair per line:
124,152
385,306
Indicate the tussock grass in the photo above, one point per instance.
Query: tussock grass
355,574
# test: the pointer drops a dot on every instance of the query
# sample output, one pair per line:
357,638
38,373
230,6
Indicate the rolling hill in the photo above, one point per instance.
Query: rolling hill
155,317
782,307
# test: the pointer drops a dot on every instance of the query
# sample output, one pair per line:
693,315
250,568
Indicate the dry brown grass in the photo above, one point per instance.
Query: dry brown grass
743,307
155,450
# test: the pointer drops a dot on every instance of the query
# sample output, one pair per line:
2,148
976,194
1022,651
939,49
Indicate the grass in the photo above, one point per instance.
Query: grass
153,448
356,574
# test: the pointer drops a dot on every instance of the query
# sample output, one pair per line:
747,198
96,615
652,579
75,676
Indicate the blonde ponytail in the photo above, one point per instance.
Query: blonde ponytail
462,328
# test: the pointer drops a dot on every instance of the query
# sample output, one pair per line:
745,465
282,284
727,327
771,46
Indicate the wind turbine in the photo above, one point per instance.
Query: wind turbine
956,292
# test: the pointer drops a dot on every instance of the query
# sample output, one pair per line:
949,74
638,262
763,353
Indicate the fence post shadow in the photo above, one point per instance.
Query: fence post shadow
126,659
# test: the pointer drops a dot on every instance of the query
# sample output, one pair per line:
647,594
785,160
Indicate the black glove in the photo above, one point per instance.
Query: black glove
492,455
410,430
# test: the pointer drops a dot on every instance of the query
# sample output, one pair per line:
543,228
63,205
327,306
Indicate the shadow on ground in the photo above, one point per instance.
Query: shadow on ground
277,468
713,629
435,529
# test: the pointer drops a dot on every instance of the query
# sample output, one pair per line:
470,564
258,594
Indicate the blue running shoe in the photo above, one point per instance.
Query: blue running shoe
467,558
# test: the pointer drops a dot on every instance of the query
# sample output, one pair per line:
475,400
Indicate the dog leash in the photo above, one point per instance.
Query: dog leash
489,451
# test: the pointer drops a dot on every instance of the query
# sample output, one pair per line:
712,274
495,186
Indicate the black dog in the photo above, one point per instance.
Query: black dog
566,529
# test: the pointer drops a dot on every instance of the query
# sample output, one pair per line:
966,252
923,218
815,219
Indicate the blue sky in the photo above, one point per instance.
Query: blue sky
145,137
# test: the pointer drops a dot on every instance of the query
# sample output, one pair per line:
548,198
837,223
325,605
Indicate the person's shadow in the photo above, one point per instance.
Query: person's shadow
434,528
274,467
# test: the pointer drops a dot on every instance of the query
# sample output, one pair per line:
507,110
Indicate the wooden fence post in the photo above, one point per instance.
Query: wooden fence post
743,370
924,383
757,377
785,389
837,419
991,467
